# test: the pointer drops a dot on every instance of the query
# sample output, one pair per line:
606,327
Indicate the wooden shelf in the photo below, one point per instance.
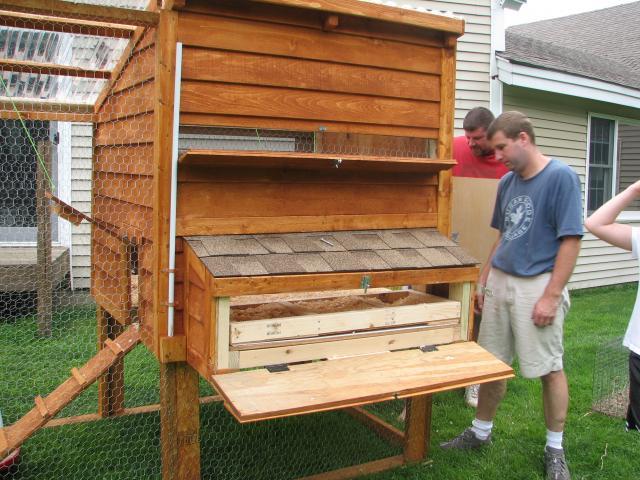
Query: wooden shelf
312,161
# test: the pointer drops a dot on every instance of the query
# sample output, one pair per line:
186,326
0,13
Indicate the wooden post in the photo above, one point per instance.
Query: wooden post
179,422
445,133
111,384
165,70
417,431
44,267
463,293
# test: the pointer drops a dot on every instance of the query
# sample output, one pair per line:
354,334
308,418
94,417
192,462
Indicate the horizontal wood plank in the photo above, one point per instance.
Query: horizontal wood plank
324,161
128,103
297,42
132,160
320,223
139,69
311,324
206,174
259,101
320,386
129,131
337,346
200,200
231,286
64,9
24,66
52,24
46,115
254,69
382,12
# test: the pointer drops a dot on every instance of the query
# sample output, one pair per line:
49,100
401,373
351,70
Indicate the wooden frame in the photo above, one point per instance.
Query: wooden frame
60,8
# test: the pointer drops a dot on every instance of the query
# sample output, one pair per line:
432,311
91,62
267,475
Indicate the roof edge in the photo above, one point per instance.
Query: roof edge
548,80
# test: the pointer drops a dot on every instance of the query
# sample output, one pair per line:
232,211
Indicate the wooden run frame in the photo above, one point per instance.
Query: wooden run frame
95,13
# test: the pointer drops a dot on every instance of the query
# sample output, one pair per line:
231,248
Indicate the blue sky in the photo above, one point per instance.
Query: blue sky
535,10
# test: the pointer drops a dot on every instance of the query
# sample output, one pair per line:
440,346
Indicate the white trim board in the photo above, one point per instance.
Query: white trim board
566,84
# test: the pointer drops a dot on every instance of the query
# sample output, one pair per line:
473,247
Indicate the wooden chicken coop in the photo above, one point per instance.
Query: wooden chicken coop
277,270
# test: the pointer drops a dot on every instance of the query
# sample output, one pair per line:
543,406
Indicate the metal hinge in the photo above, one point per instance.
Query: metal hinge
429,348
278,367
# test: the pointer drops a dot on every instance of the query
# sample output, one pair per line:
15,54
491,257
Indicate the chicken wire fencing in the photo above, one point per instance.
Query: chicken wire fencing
611,379
76,192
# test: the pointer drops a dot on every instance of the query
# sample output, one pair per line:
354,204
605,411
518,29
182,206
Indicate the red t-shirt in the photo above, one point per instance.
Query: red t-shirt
471,166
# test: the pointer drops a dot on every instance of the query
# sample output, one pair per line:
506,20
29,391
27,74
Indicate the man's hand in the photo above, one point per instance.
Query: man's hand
478,301
545,309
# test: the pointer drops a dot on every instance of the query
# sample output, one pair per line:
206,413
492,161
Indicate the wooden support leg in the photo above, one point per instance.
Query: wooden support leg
179,422
45,267
417,429
111,384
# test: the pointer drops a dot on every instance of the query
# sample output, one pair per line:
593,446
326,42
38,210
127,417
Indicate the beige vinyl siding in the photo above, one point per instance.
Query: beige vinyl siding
81,151
561,124
473,55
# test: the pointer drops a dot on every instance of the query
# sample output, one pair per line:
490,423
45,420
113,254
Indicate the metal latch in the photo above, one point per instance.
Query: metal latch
428,348
278,367
365,282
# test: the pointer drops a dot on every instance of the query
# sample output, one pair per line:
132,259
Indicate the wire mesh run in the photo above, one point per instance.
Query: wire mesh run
611,379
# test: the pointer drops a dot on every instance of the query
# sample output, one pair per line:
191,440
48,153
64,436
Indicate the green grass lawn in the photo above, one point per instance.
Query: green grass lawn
128,448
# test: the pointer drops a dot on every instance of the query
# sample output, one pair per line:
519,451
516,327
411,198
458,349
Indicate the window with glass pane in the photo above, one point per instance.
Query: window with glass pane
628,158
600,161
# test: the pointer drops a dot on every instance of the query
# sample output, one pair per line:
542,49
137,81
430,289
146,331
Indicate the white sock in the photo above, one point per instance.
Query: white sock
481,429
554,439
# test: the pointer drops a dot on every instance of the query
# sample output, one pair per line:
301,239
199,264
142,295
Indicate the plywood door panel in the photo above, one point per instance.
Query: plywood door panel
254,69
318,386
273,39
259,101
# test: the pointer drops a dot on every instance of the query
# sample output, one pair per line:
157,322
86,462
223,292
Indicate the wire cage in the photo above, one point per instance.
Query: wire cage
611,379
349,133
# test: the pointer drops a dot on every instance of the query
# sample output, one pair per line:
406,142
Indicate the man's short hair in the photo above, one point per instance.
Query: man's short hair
511,124
478,117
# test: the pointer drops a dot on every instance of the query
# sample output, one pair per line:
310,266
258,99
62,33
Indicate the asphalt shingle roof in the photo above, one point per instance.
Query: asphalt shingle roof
298,253
603,44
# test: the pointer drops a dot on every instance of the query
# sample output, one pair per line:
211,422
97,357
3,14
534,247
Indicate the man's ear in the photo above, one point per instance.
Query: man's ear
524,137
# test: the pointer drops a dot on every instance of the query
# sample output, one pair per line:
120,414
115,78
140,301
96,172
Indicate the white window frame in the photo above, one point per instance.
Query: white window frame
627,215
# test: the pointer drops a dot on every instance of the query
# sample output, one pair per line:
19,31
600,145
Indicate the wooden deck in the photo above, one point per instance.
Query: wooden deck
19,268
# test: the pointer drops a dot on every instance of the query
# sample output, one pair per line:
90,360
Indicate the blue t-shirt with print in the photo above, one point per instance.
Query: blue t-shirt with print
533,215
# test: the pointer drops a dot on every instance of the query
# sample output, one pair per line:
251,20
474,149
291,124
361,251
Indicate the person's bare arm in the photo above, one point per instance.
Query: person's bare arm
484,274
602,222
544,311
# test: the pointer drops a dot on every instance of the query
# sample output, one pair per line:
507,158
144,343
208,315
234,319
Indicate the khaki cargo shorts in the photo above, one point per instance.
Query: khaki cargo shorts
507,328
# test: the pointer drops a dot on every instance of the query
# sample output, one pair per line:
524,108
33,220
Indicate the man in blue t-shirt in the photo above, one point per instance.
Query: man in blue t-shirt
522,288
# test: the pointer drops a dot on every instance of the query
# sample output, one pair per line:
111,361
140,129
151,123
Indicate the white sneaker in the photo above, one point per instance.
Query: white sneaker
471,395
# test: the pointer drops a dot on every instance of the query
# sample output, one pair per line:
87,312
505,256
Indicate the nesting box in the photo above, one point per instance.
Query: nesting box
310,145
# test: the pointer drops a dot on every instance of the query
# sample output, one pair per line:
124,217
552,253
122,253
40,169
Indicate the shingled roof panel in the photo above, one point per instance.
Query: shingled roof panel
318,252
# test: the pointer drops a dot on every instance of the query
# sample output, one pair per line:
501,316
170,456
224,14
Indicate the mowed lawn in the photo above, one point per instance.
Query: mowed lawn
128,448
597,446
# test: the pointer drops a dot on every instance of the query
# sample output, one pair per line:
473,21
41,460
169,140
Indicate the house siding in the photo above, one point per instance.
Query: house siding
561,125
81,151
473,54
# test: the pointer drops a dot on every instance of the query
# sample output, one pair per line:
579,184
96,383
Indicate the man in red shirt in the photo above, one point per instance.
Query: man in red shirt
473,151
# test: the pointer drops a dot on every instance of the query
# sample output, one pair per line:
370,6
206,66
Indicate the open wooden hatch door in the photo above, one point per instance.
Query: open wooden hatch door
346,382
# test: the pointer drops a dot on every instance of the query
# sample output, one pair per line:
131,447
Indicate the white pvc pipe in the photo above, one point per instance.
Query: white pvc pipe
174,188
